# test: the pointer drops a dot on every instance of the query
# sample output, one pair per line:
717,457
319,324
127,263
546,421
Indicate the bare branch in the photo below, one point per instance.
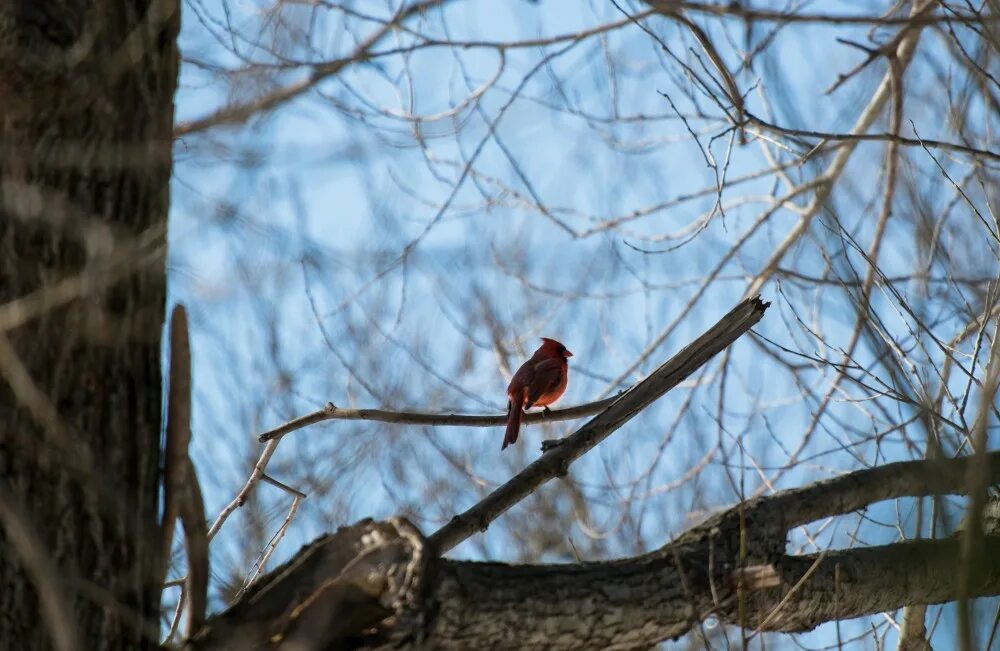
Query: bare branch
241,497
875,137
182,493
857,489
763,15
241,112
909,36
332,412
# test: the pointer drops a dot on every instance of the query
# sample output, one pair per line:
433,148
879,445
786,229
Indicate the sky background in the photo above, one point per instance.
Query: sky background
334,250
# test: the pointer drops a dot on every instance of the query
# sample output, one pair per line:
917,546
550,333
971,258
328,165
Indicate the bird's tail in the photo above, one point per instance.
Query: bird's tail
513,423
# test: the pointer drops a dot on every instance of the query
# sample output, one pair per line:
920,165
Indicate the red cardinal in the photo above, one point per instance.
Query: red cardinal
539,382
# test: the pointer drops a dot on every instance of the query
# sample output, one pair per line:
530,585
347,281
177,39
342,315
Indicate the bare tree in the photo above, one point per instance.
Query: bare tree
378,207
615,178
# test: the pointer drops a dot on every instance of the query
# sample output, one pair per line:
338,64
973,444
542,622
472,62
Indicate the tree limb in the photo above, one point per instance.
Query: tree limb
181,492
239,113
379,584
333,412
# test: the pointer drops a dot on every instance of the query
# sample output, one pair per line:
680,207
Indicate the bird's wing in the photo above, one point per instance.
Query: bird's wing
545,378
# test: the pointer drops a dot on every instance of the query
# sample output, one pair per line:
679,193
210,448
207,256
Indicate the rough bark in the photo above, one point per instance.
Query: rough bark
85,145
378,584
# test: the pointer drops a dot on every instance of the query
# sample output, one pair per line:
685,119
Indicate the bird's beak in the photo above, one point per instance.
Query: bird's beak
567,354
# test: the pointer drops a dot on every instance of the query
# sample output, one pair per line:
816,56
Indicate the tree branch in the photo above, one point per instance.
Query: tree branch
375,584
181,492
753,120
333,412
858,489
742,12
239,113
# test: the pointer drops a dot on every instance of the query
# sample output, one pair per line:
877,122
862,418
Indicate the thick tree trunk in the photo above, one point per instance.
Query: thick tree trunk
85,152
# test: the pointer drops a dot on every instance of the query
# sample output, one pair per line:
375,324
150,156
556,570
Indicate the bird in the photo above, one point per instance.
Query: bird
538,383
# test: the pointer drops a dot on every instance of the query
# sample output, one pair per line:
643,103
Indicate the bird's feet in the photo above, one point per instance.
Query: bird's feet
546,412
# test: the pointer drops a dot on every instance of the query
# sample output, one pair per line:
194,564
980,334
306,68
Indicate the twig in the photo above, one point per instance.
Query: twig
890,136
958,188
788,595
993,629
178,611
903,54
285,487
273,543
747,13
241,112
333,412
734,96
241,497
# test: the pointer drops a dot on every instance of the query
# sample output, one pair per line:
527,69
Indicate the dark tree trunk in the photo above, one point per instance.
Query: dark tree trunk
85,159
